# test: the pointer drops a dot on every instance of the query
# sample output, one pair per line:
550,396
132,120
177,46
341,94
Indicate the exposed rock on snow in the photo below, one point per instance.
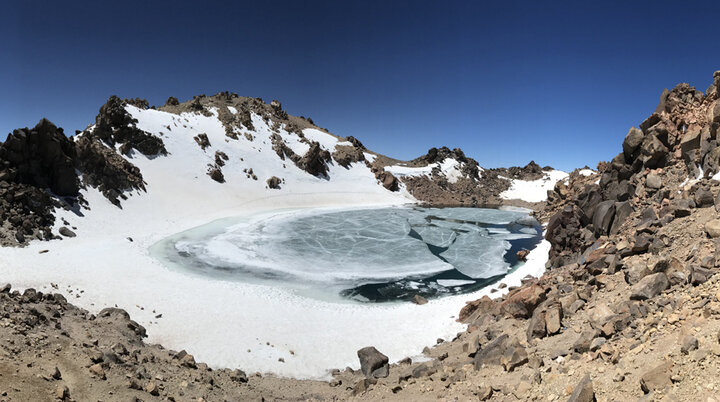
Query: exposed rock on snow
202,140
274,182
114,125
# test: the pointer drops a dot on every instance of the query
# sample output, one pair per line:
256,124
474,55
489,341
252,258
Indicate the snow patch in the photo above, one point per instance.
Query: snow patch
533,190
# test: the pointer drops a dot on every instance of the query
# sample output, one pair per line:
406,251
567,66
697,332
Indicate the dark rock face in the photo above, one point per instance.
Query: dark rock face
106,170
26,211
355,142
438,155
114,125
216,174
387,179
41,157
315,160
680,135
565,234
345,155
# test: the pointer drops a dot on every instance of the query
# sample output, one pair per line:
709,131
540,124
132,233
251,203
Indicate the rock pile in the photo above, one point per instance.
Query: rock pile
675,142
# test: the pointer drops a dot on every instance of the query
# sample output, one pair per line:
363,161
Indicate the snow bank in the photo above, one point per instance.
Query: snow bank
533,190
449,167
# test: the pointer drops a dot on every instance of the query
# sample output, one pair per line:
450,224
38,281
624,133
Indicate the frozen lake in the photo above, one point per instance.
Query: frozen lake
366,255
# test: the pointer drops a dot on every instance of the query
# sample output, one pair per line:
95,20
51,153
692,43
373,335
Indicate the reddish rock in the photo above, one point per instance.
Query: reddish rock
483,304
522,302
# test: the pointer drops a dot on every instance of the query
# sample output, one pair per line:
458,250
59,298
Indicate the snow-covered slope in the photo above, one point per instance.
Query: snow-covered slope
184,169
533,190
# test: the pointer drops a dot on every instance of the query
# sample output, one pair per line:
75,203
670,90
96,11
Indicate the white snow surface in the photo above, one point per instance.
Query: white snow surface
449,167
587,172
219,321
533,190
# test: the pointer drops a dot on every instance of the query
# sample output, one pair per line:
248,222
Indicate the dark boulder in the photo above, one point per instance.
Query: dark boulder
704,198
622,211
649,286
216,174
274,182
603,217
202,140
315,160
631,144
373,363
653,153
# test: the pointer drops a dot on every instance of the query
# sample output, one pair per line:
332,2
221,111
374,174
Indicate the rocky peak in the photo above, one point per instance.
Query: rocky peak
42,157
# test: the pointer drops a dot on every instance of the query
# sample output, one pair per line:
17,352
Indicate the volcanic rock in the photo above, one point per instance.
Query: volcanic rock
650,286
373,363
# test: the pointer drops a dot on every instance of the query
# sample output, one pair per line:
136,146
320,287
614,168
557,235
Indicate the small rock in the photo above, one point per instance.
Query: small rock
97,371
66,232
689,343
713,228
484,393
417,299
583,391
188,361
656,379
152,388
62,392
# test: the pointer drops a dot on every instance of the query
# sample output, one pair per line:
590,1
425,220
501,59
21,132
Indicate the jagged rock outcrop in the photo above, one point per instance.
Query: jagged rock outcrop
42,157
678,140
345,155
315,160
32,161
114,125
105,169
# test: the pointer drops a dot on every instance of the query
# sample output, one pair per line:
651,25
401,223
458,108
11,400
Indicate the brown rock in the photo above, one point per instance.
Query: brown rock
152,388
553,319
657,378
650,286
484,304
62,392
522,303
583,391
97,371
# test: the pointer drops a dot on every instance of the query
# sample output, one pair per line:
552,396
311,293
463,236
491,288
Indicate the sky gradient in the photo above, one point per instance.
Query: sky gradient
508,82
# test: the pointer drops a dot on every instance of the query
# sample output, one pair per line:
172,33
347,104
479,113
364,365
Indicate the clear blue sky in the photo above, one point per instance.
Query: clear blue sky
507,81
